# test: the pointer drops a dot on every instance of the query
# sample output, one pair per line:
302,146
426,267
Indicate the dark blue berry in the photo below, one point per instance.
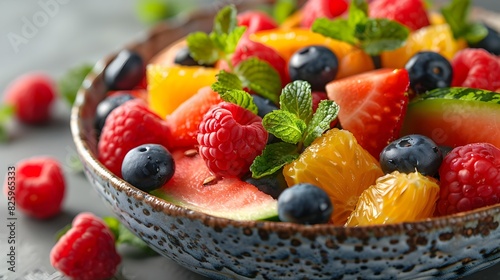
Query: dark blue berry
412,153
428,70
317,65
183,57
304,204
265,105
273,184
106,106
148,167
491,42
125,71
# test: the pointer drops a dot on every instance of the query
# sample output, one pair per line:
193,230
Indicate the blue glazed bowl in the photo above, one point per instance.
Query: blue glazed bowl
444,248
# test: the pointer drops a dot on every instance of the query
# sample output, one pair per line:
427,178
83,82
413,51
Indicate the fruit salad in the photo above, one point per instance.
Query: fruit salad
348,113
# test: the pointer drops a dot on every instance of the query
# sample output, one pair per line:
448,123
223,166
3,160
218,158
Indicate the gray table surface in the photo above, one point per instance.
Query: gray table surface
71,33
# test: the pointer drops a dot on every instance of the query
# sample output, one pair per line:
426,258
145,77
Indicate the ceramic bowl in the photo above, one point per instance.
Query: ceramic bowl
443,248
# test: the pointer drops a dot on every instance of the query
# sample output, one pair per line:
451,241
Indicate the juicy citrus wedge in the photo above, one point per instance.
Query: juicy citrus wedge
287,41
170,86
396,197
437,38
336,163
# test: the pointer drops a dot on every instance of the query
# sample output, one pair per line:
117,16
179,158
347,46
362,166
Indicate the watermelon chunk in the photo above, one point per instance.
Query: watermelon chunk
229,198
455,116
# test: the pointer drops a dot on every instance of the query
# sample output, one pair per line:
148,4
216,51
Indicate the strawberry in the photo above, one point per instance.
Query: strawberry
87,250
126,127
256,21
230,137
476,68
38,186
314,9
373,106
247,48
185,119
411,13
32,96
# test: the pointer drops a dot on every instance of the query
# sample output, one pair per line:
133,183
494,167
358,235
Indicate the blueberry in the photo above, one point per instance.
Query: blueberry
125,71
304,204
412,153
148,167
317,65
428,70
490,43
265,105
106,106
273,184
183,57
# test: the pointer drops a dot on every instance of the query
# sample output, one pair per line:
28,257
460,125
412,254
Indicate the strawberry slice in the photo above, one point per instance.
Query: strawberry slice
372,106
314,9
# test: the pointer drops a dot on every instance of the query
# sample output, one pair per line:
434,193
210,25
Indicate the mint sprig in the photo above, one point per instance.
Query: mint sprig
260,77
456,14
295,124
221,42
6,114
369,34
69,84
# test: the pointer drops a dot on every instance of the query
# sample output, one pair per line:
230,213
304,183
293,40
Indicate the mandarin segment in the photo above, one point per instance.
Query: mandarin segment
170,86
396,197
336,163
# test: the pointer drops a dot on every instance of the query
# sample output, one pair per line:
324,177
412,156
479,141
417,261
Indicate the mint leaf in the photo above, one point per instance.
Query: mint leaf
273,157
379,35
456,15
125,236
371,35
226,81
284,125
6,113
296,98
326,112
232,39
202,48
240,98
225,21
282,9
69,84
259,76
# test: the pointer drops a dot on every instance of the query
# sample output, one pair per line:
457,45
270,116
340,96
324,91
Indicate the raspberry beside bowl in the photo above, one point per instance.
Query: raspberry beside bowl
445,248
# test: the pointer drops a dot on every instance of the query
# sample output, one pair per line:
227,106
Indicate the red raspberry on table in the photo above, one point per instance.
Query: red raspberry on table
411,13
247,48
314,9
87,251
469,178
126,127
256,21
32,96
38,186
230,137
476,68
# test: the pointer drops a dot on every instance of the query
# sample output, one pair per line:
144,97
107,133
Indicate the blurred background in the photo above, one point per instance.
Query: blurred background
53,36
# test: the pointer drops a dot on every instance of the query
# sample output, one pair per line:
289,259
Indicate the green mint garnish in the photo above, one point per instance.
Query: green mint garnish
154,11
71,81
370,34
295,124
6,113
456,15
221,42
282,9
260,77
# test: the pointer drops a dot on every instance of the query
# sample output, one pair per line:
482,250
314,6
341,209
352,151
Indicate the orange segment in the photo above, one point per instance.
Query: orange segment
336,163
437,38
396,197
170,86
287,41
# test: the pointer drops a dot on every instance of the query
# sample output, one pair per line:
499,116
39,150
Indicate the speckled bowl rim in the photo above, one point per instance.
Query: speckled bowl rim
83,146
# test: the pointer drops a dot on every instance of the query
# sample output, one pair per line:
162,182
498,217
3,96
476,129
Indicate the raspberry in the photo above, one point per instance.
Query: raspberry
126,127
87,250
476,68
32,96
38,187
411,13
256,21
470,178
230,138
